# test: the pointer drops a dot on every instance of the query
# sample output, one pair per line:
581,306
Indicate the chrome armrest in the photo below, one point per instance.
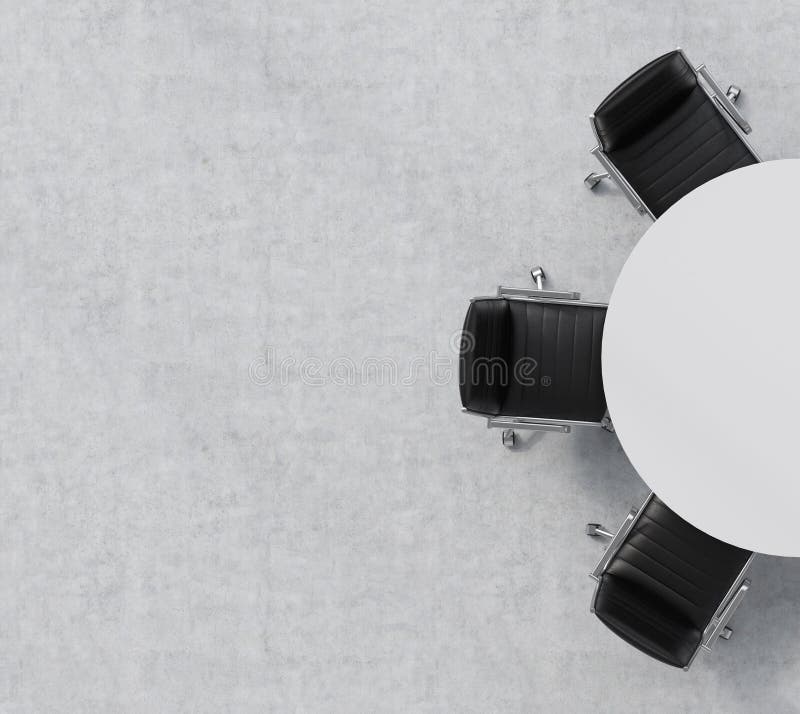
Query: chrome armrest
722,99
503,291
615,544
507,422
510,422
619,179
548,296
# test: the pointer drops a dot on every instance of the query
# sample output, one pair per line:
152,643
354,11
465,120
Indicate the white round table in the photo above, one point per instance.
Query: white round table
701,358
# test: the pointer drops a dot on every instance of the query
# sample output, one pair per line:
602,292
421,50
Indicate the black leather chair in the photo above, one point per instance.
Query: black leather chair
530,359
666,587
665,131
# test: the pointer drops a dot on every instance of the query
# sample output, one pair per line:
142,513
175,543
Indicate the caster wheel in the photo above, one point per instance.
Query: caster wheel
509,438
607,424
592,180
538,276
596,530
726,633
733,93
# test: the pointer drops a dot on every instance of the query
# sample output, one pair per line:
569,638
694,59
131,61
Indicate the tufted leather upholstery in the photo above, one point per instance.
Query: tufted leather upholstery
663,586
665,134
556,345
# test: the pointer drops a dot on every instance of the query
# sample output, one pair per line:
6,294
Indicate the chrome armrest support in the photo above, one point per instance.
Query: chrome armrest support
727,607
619,538
619,179
715,629
607,424
722,99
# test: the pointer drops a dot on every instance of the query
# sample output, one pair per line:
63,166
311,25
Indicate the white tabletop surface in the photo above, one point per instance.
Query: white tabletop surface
701,358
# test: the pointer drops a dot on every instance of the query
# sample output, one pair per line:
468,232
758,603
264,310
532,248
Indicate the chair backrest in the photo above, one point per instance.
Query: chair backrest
485,355
643,99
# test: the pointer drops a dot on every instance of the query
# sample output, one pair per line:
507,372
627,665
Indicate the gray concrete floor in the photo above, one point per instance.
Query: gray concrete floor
189,186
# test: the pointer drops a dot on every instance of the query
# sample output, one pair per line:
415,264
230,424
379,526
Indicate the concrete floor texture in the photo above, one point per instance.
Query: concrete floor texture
238,238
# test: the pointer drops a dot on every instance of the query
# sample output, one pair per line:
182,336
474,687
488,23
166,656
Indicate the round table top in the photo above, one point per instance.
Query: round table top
701,355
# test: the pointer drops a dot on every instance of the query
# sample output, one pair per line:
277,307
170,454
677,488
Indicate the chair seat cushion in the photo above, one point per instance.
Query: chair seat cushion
666,582
561,346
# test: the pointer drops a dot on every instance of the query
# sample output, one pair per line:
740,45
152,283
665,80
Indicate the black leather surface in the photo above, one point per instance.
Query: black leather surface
486,342
637,105
556,345
644,622
664,584
666,135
